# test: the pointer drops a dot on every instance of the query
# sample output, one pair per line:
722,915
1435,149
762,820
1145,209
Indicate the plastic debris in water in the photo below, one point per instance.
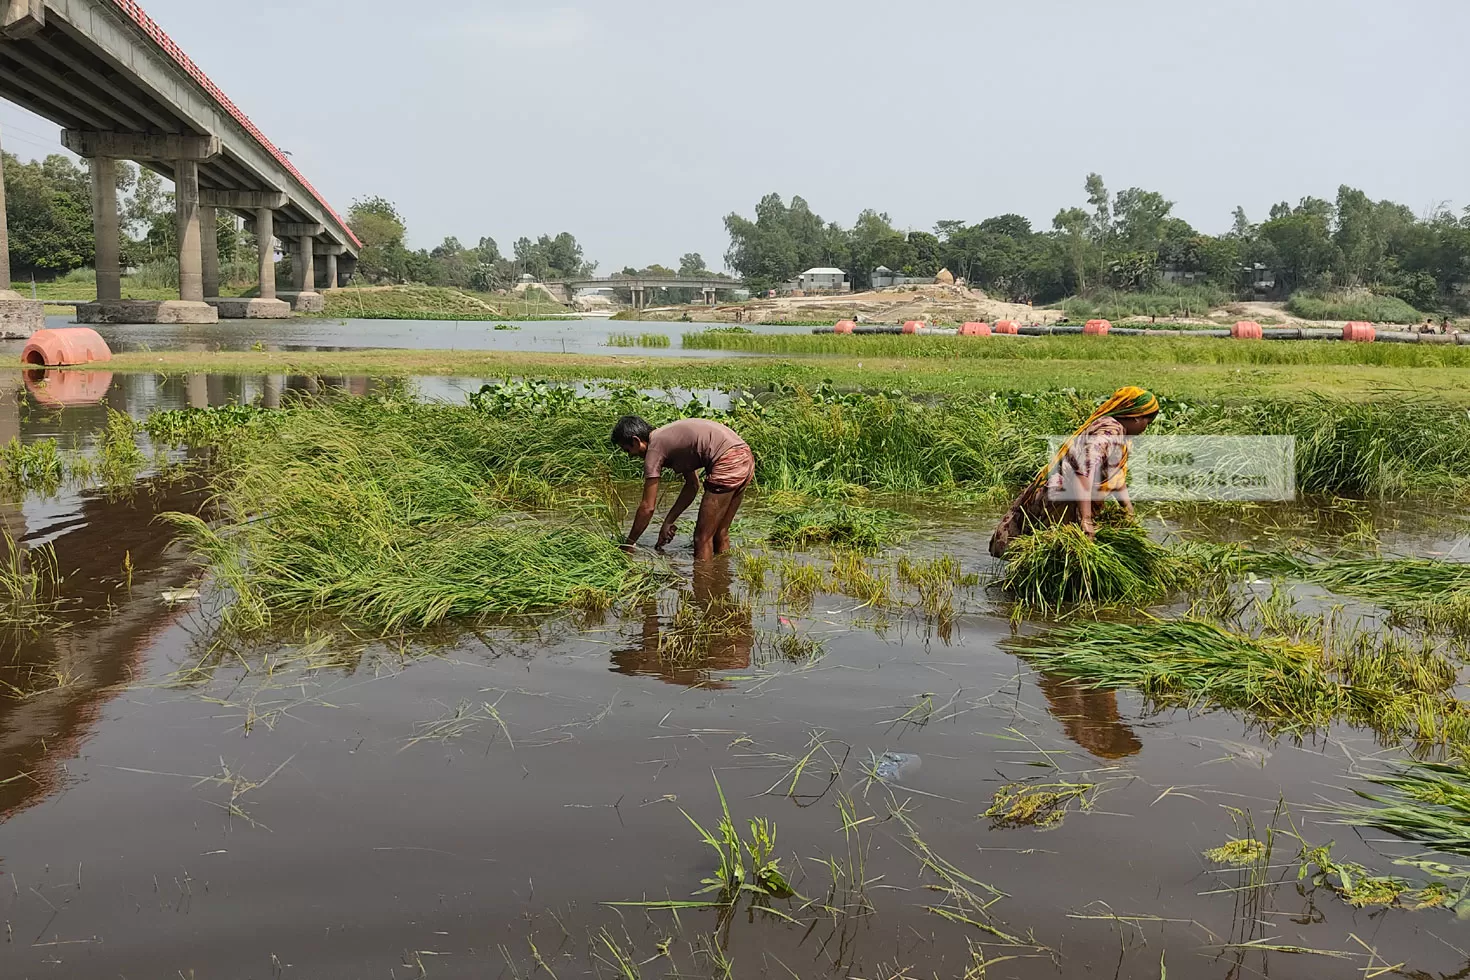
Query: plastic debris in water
179,595
896,765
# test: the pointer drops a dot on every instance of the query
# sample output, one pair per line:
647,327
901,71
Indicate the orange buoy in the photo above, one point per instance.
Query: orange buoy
844,326
1096,328
58,389
65,345
1007,326
913,326
1358,331
974,330
1246,330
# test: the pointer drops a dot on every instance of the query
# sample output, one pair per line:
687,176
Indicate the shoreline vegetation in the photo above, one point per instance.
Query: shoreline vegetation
1415,373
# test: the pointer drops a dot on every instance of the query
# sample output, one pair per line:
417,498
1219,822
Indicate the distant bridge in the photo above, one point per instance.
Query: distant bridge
640,285
121,89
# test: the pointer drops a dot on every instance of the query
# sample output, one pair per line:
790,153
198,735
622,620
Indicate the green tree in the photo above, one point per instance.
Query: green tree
49,211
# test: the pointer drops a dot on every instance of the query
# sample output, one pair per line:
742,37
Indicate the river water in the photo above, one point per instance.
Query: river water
468,805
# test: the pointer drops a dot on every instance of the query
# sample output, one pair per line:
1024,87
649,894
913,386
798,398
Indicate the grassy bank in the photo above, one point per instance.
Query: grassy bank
434,303
1147,350
1111,304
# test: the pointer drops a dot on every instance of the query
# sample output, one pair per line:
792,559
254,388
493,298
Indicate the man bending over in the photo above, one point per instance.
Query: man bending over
684,447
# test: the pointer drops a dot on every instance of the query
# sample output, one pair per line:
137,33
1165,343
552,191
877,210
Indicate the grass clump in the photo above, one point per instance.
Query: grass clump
30,584
1241,852
35,466
1040,805
1114,304
745,866
1297,684
1057,565
1425,802
203,426
1352,305
1361,888
860,528
381,515
653,340
622,340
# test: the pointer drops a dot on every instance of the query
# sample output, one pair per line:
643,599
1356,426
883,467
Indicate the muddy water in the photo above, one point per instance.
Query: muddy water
465,806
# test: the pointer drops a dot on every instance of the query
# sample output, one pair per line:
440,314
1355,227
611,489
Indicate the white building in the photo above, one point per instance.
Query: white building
823,280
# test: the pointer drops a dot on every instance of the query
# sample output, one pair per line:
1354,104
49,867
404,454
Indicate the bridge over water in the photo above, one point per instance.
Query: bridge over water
640,285
121,89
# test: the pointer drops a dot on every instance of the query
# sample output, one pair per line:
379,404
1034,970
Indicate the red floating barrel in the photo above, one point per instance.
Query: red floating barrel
1007,326
1358,331
63,346
913,326
1096,328
974,330
844,326
1246,330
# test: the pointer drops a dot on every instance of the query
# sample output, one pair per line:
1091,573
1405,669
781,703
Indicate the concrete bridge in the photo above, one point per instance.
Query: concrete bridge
640,285
122,90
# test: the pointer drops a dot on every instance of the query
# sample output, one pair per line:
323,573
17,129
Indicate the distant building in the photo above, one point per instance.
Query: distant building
823,280
884,277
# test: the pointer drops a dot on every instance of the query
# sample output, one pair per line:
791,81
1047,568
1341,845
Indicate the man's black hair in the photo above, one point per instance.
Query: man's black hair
631,428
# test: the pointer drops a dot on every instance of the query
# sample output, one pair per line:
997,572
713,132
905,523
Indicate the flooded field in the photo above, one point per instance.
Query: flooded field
520,798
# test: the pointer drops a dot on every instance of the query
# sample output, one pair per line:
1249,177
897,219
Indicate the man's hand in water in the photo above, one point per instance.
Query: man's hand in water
666,534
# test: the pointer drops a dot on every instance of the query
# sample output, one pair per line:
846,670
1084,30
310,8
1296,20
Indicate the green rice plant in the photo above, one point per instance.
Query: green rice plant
859,528
1425,802
799,583
653,340
381,515
622,340
30,585
852,576
119,460
744,865
1380,682
685,639
751,570
1056,565
33,467
1383,581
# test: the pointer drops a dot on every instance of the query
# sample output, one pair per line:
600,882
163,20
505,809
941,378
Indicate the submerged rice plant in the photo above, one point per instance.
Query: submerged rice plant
1383,683
1424,802
860,528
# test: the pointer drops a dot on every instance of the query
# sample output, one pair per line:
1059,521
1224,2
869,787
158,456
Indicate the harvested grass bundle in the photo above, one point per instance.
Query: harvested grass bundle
385,518
1059,564
1377,682
860,528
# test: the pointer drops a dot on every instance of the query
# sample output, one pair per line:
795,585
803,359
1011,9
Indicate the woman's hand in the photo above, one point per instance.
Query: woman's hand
1089,528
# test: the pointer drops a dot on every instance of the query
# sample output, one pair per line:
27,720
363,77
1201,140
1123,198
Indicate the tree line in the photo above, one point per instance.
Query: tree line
1129,241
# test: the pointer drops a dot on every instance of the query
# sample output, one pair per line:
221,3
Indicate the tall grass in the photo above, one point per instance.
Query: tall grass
1113,304
1134,350
384,517
1352,305
984,445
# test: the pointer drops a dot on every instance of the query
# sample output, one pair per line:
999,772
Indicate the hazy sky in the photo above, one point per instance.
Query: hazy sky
638,125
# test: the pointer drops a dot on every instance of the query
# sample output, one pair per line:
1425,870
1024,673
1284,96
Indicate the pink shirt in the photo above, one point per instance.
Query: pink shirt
688,445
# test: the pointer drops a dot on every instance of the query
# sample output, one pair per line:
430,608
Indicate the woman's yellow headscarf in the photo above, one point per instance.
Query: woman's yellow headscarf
1126,403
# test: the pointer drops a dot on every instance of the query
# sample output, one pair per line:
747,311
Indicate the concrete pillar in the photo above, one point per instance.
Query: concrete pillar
105,228
209,249
191,256
308,270
265,220
331,270
271,395
198,391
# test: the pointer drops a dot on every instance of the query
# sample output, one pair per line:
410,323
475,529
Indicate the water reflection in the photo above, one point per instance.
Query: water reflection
60,389
1090,718
710,629
116,561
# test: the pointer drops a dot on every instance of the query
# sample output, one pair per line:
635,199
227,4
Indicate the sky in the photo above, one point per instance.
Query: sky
637,125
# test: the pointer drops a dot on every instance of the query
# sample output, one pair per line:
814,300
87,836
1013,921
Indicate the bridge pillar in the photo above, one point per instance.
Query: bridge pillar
22,316
105,228
709,296
209,249
265,236
331,270
307,299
